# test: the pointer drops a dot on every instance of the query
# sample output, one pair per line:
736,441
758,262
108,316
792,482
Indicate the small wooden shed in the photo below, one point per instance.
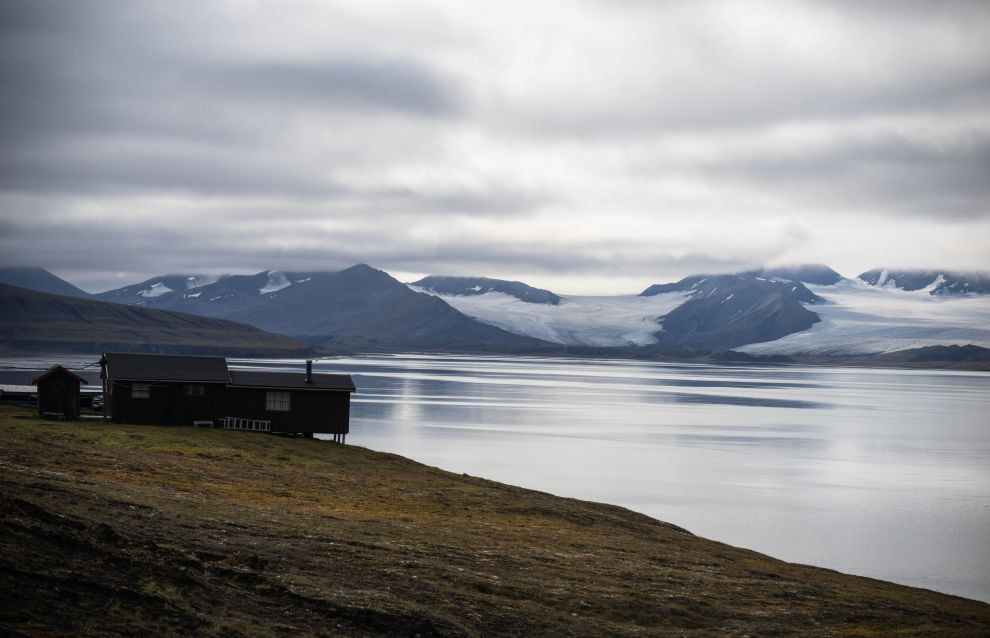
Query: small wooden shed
58,393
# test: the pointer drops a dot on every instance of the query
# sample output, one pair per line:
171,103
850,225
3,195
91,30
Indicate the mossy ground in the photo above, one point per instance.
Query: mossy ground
137,530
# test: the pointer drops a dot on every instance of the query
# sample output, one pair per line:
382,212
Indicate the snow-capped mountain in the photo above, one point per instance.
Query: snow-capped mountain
769,311
932,282
791,311
701,311
472,286
139,294
726,311
205,295
356,307
819,274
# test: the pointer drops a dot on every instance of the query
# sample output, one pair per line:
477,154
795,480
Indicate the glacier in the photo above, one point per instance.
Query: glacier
625,320
858,318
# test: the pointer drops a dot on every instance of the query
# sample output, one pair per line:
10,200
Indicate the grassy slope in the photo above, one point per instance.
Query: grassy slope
137,530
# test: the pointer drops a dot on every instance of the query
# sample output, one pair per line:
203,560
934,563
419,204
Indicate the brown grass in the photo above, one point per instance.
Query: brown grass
137,530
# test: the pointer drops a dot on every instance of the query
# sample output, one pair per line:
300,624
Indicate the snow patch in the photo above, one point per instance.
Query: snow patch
192,295
200,281
302,281
276,281
930,288
156,290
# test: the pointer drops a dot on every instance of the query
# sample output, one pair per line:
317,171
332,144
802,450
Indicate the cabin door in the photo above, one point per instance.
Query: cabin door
166,405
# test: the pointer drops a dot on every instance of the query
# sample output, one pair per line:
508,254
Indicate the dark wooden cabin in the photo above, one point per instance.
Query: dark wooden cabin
188,390
58,393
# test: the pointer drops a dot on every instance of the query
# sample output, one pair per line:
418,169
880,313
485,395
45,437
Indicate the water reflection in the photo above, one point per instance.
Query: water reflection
868,471
883,473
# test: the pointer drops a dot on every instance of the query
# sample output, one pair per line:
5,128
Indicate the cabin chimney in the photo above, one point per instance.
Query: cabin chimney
309,370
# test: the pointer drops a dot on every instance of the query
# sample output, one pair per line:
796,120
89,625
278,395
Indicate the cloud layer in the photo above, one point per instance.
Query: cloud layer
582,146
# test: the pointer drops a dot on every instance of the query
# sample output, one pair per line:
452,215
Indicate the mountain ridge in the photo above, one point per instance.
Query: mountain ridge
42,322
37,278
935,282
357,307
446,285
768,312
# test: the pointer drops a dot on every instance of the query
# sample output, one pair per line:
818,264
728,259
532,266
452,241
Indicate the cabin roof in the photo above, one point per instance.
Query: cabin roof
190,369
166,367
291,380
57,369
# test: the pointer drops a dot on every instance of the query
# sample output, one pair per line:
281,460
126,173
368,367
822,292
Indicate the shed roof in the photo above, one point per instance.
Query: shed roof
166,367
57,369
291,380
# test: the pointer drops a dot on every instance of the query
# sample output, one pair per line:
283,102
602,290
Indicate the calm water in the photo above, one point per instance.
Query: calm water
883,473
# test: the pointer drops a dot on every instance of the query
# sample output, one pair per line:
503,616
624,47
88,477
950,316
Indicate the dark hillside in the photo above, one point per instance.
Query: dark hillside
38,322
34,278
158,531
727,311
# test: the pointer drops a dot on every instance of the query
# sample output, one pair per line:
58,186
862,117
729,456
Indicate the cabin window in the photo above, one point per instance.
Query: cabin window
193,390
277,401
140,391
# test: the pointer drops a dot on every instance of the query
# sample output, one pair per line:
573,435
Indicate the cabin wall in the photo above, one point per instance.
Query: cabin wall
311,411
167,405
59,393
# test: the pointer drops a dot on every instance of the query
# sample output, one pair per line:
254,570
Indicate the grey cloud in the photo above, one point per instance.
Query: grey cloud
98,71
199,172
733,103
886,173
885,58
400,85
144,248
109,105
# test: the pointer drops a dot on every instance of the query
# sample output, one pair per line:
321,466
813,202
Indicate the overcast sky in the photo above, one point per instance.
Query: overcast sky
585,147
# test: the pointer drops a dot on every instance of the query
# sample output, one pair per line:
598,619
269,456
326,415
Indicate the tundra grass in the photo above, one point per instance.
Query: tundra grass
139,530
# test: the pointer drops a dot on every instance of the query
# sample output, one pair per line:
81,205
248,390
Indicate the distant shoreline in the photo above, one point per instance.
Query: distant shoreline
895,360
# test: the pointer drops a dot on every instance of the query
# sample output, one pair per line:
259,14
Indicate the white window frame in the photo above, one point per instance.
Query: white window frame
276,401
140,390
